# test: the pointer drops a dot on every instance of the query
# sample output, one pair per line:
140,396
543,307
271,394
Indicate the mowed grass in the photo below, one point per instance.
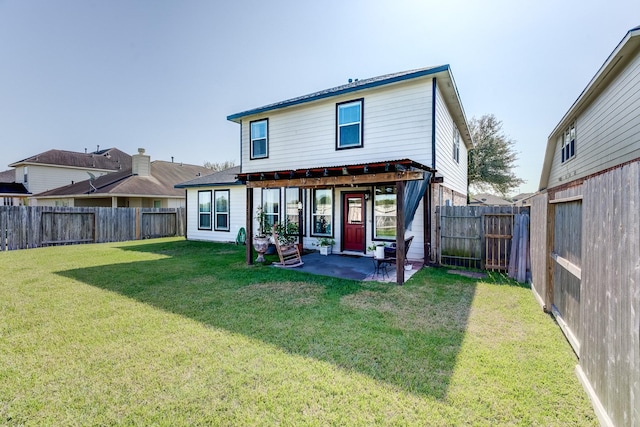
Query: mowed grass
169,332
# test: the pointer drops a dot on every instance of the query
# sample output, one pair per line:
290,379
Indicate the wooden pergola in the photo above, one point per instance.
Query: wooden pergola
396,172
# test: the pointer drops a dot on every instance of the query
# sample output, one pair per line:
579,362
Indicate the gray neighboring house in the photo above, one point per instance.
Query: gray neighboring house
484,199
216,206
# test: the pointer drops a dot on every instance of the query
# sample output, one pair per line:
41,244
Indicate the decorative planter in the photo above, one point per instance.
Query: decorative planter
379,252
325,250
260,244
408,267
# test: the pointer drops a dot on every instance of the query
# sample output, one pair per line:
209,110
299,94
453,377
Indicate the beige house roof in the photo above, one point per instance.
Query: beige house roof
161,182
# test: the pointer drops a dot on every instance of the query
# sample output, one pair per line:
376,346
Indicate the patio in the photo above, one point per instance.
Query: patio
352,267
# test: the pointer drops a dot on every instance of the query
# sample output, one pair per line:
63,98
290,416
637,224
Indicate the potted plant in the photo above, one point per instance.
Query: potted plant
287,232
261,240
377,249
325,244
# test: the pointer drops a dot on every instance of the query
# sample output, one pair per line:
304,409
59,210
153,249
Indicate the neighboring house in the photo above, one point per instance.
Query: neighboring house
216,206
56,168
145,184
12,193
522,199
484,199
344,153
586,246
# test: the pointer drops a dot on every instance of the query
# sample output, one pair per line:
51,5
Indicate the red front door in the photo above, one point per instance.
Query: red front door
353,221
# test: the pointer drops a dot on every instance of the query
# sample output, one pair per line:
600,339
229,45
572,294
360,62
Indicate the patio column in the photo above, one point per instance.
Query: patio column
249,225
400,258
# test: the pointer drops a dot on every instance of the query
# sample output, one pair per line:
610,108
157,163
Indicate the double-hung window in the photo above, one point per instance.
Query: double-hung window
221,210
293,203
260,139
204,210
271,207
569,143
384,213
456,144
322,212
349,124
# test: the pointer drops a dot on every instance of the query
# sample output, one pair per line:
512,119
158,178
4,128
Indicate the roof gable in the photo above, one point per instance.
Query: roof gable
224,177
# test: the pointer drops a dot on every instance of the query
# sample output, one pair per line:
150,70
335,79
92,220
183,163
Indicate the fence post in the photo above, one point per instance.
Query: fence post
138,223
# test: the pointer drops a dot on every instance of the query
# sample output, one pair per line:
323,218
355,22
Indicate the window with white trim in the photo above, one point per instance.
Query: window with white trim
271,207
322,212
221,206
568,149
204,210
349,124
384,212
456,144
259,139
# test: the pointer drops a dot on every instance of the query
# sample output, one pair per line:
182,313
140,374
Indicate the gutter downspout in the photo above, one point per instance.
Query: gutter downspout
428,214
433,123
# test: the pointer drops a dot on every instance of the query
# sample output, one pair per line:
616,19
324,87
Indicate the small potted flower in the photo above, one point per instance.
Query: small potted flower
325,244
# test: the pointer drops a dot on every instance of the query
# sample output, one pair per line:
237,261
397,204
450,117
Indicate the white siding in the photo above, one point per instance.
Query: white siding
607,132
44,178
237,214
454,173
397,124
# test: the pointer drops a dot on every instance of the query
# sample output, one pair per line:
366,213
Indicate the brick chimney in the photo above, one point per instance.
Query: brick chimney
141,164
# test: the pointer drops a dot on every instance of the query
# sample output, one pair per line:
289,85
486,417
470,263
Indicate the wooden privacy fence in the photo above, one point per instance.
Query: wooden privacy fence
23,227
484,237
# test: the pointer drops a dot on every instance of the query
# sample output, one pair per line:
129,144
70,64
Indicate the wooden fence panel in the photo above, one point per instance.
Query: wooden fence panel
158,223
67,227
539,248
610,352
498,234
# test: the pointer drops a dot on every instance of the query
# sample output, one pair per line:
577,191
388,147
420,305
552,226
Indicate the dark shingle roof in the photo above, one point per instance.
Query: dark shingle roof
346,88
164,176
225,177
109,159
13,188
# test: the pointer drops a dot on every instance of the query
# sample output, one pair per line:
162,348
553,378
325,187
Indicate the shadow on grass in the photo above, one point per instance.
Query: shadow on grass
407,336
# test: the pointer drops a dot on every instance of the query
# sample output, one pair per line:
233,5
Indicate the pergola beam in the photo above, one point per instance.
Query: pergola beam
343,180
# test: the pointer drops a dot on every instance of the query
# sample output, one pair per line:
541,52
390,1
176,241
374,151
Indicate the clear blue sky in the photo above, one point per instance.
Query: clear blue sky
164,75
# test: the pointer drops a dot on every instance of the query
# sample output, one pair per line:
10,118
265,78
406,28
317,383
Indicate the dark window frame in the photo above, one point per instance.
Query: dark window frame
361,123
374,227
276,215
252,139
216,213
312,213
568,144
204,213
456,144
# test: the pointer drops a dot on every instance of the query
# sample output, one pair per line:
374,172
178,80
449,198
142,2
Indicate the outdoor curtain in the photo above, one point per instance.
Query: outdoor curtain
413,193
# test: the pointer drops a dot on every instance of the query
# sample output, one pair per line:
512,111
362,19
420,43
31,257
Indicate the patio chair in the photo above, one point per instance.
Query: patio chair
390,252
289,253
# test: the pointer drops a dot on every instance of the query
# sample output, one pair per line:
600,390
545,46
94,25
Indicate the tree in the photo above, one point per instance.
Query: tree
492,159
217,167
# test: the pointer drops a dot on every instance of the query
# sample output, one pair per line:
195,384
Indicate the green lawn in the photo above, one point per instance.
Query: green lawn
169,332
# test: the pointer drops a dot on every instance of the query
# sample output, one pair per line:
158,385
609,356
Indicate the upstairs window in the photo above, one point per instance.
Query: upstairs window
456,144
349,124
204,210
260,139
569,144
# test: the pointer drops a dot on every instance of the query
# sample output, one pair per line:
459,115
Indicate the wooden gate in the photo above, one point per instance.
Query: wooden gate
498,232
567,271
477,236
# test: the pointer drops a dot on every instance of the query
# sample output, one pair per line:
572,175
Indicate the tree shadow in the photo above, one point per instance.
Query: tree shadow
408,336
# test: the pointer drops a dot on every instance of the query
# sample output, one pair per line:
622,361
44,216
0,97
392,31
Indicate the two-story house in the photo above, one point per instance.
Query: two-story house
56,168
360,163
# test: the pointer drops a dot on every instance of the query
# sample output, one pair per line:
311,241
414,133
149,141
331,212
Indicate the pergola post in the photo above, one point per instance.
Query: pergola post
400,256
249,222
